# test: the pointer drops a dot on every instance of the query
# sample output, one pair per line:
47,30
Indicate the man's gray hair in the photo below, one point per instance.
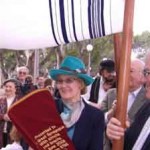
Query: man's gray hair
23,68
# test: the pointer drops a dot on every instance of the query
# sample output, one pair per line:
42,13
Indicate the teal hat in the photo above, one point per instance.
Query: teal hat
72,66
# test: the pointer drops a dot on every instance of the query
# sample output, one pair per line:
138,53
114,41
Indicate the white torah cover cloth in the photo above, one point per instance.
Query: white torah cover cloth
32,24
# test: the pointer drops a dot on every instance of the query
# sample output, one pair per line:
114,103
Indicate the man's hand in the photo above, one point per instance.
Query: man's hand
114,129
111,112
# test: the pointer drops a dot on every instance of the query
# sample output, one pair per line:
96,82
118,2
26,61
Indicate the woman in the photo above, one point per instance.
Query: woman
6,101
84,123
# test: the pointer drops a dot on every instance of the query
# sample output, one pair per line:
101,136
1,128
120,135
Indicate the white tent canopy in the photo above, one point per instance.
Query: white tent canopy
32,24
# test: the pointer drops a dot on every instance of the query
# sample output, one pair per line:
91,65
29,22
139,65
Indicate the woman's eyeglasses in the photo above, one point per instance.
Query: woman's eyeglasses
67,81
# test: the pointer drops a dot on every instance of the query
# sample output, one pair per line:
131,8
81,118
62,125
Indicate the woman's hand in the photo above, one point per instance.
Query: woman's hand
6,117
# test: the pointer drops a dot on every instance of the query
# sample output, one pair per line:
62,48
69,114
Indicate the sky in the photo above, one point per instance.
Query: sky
141,16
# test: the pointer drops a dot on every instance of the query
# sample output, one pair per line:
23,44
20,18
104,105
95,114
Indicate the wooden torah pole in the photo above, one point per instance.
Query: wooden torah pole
124,69
117,49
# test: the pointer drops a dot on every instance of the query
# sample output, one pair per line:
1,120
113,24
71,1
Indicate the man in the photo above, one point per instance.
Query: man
22,72
136,97
40,82
137,136
104,81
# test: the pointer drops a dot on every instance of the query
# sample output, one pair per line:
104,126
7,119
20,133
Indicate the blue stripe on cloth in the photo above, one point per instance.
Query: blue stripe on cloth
89,19
62,17
102,17
73,21
96,18
52,25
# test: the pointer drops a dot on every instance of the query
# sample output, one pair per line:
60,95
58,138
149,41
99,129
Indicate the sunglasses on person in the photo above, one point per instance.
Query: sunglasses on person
146,72
21,72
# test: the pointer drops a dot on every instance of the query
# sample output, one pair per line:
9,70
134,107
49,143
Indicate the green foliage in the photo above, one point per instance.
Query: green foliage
50,57
72,52
142,40
141,44
8,60
103,47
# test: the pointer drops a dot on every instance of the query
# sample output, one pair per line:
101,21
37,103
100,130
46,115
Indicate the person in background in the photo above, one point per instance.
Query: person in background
137,136
2,92
40,82
5,103
28,85
105,80
22,72
84,123
15,137
48,85
136,97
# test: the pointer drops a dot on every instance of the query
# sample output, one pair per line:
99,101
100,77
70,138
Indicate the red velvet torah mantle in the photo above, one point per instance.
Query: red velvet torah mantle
37,119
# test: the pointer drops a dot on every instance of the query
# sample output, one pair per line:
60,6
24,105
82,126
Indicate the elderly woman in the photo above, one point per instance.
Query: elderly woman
84,123
6,101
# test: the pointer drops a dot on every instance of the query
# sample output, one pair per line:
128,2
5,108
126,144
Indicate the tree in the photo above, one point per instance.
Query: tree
52,57
141,44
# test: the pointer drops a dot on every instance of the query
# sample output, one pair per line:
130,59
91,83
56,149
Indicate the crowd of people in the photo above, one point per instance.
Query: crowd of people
86,105
12,90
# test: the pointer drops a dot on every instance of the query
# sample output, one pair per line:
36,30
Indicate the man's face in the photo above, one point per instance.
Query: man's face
107,75
22,74
147,77
40,81
136,76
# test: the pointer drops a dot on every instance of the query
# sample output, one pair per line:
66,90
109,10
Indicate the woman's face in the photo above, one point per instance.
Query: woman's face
69,87
10,89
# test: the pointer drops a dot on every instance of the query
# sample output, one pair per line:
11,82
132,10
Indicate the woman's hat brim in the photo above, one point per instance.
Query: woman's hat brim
54,73
11,80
